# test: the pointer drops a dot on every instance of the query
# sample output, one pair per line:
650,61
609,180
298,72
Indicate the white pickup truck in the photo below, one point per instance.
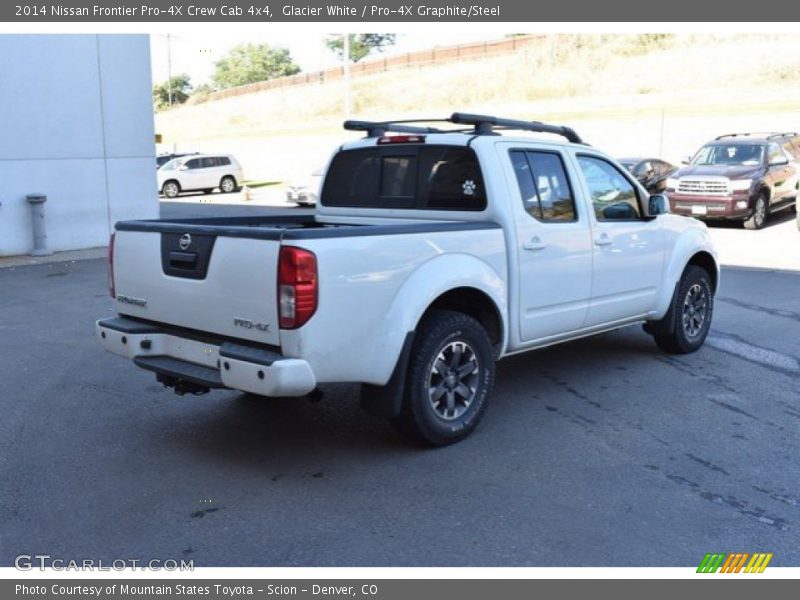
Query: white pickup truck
432,254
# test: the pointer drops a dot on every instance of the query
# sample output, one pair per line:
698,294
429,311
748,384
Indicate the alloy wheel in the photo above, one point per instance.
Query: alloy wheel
695,310
453,380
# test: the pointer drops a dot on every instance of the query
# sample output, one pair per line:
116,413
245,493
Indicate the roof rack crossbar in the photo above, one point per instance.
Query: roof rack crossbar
484,124
479,124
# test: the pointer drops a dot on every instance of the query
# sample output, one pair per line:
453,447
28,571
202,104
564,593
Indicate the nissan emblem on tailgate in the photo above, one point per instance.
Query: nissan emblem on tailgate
185,241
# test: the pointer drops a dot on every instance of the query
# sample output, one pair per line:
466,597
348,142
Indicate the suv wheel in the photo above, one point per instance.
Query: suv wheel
227,184
690,313
759,216
171,189
450,377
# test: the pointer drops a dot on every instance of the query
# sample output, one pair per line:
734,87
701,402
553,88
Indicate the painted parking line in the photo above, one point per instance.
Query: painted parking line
765,357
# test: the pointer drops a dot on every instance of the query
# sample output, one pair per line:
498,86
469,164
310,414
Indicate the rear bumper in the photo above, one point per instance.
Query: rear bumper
710,207
224,365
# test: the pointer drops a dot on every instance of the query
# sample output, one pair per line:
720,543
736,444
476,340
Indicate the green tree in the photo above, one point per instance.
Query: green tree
181,87
248,63
361,44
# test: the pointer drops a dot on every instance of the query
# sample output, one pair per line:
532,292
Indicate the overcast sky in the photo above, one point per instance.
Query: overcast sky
196,54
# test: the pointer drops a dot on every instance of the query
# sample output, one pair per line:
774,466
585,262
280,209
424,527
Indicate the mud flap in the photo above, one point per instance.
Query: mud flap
665,325
386,400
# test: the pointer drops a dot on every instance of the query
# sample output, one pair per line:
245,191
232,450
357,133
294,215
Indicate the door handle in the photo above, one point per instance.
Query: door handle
534,244
602,240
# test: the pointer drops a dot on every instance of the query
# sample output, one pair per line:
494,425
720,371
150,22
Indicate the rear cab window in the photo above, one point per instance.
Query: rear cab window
426,177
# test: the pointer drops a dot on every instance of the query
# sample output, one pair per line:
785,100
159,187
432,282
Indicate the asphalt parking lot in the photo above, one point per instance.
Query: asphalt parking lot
603,452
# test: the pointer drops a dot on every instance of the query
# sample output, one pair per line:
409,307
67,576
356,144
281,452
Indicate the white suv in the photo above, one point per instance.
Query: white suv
200,172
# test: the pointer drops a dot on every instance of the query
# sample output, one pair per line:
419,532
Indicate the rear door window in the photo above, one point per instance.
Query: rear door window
412,177
546,193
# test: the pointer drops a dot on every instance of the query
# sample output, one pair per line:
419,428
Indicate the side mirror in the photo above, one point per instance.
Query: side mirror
686,160
658,205
183,168
779,162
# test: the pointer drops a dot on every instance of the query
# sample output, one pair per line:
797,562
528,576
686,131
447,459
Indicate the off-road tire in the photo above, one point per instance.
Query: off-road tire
691,311
445,339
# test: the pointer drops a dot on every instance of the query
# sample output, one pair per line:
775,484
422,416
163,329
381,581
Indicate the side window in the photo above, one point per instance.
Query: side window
613,196
522,170
208,162
543,184
193,164
223,161
774,153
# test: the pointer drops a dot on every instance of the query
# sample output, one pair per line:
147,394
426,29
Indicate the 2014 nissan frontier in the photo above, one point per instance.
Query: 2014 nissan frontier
432,254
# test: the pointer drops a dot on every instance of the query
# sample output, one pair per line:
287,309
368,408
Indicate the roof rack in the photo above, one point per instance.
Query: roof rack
479,125
767,134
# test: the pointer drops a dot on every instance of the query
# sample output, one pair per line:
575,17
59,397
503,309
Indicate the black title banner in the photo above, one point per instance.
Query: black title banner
506,11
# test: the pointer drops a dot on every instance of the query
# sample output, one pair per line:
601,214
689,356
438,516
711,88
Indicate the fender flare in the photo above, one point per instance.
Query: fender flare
689,244
411,302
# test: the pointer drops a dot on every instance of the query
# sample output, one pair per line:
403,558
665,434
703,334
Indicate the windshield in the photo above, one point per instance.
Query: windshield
730,154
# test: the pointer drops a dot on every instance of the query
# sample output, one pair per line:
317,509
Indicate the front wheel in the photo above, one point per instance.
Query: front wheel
450,378
759,217
691,311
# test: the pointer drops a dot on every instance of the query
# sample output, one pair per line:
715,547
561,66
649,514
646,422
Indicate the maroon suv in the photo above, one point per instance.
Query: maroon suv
741,176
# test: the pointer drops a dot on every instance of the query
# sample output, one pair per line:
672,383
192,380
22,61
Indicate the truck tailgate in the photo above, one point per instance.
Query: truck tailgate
204,281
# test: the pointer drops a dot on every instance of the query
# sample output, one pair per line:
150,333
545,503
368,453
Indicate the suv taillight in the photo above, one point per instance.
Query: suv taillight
297,286
111,289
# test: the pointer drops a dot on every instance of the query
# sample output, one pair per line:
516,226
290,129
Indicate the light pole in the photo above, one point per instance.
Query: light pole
346,75
169,71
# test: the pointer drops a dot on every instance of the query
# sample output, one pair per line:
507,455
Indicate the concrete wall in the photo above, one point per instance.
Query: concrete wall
76,124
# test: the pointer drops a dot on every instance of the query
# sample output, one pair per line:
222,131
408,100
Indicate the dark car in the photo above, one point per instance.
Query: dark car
739,176
163,159
652,173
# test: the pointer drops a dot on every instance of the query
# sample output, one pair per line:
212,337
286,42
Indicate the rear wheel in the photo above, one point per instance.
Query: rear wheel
450,378
759,217
171,189
690,313
227,184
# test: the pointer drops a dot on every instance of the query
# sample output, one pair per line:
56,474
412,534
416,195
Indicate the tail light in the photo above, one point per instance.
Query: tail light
111,289
297,286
